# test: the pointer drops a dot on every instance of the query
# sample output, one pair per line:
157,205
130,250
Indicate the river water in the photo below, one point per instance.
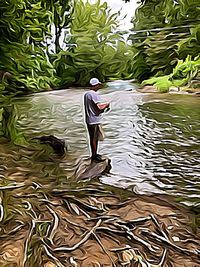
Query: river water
153,140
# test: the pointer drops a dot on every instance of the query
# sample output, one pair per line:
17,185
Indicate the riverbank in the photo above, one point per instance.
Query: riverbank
179,90
50,218
64,222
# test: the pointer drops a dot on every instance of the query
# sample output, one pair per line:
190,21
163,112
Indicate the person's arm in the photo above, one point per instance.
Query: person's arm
103,106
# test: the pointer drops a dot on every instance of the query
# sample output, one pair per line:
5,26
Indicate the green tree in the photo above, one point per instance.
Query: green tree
163,33
25,26
27,31
94,48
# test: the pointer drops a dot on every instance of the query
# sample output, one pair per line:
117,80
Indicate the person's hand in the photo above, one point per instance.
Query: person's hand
108,107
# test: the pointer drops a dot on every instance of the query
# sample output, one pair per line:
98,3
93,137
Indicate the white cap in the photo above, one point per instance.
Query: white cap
94,81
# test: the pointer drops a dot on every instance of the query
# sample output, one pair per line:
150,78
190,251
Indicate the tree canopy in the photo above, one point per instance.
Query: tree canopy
94,48
56,43
164,34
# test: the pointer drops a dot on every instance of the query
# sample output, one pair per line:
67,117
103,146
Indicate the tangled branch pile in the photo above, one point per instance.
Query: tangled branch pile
92,226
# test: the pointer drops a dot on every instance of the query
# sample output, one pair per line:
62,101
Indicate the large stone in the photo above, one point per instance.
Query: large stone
174,89
88,169
148,89
58,145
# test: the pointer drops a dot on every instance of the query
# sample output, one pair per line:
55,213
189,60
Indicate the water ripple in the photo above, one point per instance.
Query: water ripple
153,140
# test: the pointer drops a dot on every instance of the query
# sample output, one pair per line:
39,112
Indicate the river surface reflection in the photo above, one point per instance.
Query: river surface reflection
153,140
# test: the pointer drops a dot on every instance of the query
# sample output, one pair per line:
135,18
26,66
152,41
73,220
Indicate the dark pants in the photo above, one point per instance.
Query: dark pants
93,131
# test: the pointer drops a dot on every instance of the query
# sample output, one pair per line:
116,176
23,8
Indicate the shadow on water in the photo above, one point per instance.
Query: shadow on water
152,140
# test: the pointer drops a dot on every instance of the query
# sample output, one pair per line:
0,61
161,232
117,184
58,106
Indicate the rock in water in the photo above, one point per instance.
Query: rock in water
57,144
88,169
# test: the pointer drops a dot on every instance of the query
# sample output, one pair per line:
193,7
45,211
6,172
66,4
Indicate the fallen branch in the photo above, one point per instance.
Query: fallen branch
27,242
138,221
11,187
103,217
58,263
67,249
120,249
104,249
74,224
110,230
161,239
85,205
137,239
109,218
16,229
55,224
161,263
157,224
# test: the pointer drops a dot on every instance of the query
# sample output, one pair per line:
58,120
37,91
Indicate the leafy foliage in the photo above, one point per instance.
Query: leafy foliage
94,46
182,74
26,26
26,29
163,33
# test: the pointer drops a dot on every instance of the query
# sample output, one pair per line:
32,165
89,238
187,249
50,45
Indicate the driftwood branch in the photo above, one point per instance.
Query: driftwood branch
85,238
27,241
161,239
104,249
11,187
55,224
58,263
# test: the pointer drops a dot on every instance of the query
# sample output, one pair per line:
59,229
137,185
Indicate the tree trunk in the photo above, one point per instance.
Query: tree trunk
9,128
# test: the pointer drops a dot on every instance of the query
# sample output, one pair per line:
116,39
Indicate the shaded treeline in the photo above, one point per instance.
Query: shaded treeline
52,44
55,43
165,41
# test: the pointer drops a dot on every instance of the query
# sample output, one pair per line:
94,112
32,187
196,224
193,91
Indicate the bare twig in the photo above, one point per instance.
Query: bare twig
85,213
161,239
58,263
74,224
108,229
55,224
85,238
27,242
16,229
138,220
157,224
104,249
161,263
11,187
85,205
120,249
137,239
116,218
104,217
1,210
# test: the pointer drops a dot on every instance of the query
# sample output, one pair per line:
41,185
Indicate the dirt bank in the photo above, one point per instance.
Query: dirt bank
49,221
93,225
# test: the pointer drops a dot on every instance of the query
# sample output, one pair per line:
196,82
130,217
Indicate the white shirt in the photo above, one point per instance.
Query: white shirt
92,113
